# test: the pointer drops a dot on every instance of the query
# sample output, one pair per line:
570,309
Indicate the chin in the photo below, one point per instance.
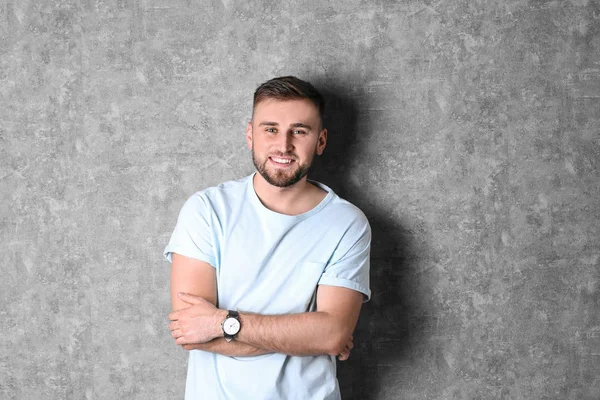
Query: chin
283,180
280,178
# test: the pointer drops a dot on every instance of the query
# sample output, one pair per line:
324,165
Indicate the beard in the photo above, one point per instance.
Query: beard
281,178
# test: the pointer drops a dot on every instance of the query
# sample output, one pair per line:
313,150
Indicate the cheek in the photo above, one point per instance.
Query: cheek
260,148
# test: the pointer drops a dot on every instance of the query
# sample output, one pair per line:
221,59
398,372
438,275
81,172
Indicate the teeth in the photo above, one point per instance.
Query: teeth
281,160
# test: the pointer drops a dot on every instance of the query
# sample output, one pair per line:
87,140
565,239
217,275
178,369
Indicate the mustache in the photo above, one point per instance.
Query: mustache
291,155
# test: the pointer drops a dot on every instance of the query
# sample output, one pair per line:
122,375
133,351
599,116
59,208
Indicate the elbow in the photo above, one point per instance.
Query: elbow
337,344
335,351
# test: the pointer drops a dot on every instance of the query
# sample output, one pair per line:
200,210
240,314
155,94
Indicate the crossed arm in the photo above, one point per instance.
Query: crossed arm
196,322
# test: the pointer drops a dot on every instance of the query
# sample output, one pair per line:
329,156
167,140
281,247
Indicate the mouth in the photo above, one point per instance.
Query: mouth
281,161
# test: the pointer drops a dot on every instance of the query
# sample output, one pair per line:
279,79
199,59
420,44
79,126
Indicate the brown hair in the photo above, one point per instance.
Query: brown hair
289,88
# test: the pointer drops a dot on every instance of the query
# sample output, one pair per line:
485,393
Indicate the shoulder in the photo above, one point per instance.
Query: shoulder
353,221
215,196
225,189
341,210
348,211
344,216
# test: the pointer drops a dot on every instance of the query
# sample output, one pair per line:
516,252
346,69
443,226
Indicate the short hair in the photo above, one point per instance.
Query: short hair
289,88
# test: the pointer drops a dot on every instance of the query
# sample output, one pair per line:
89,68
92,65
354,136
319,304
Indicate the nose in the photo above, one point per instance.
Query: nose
285,142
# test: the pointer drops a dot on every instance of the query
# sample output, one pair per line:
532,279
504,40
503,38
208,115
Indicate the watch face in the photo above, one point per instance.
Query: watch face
231,326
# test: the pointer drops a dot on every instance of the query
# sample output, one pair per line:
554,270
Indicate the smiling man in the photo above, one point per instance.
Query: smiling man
269,272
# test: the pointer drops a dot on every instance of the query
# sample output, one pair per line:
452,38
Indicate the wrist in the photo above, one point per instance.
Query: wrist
221,315
231,325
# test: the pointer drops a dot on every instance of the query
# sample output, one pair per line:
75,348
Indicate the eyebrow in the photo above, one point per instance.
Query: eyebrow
296,125
301,125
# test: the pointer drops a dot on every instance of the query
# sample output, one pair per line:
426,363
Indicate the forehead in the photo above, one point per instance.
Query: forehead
285,110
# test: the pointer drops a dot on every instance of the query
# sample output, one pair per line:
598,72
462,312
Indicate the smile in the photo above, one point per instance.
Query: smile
281,160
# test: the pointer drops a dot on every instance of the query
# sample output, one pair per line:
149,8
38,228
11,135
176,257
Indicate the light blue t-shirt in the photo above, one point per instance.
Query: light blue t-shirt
270,263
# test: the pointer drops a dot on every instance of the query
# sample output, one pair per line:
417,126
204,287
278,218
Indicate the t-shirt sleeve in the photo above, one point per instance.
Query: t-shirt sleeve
192,236
350,264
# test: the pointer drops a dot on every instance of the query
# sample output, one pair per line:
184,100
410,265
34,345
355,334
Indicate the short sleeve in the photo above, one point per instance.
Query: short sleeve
192,236
350,264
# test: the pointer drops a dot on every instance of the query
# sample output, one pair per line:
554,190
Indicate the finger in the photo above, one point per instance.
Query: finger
350,345
174,316
173,325
190,299
181,340
176,333
344,355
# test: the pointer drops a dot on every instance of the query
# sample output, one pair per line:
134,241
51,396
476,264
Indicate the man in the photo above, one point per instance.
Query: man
269,272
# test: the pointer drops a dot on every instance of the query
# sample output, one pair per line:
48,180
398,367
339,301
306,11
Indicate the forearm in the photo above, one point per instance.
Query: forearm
303,334
326,331
234,348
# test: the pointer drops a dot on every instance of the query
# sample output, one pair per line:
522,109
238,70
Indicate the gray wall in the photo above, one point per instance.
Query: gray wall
468,132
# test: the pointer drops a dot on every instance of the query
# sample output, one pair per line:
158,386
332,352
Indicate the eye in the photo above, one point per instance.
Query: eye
271,130
299,132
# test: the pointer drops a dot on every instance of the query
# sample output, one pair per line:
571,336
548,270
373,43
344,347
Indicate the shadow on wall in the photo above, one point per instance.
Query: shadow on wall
386,328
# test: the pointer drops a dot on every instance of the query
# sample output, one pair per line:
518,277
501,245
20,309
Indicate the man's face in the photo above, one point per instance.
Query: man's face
284,137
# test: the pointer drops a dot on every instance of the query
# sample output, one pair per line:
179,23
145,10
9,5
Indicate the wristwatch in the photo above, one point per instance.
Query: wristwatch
231,326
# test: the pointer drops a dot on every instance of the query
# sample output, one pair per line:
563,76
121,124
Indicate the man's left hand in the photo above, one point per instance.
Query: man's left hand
199,323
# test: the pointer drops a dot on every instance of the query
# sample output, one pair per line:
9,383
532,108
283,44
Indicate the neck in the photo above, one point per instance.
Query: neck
291,200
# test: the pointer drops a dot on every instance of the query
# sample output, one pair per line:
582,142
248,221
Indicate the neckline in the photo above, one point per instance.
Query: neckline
312,211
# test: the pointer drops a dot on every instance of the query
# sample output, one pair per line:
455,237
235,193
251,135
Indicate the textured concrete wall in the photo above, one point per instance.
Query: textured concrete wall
468,131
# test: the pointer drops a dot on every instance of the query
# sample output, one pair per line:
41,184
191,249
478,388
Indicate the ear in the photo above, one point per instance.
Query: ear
249,135
322,141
